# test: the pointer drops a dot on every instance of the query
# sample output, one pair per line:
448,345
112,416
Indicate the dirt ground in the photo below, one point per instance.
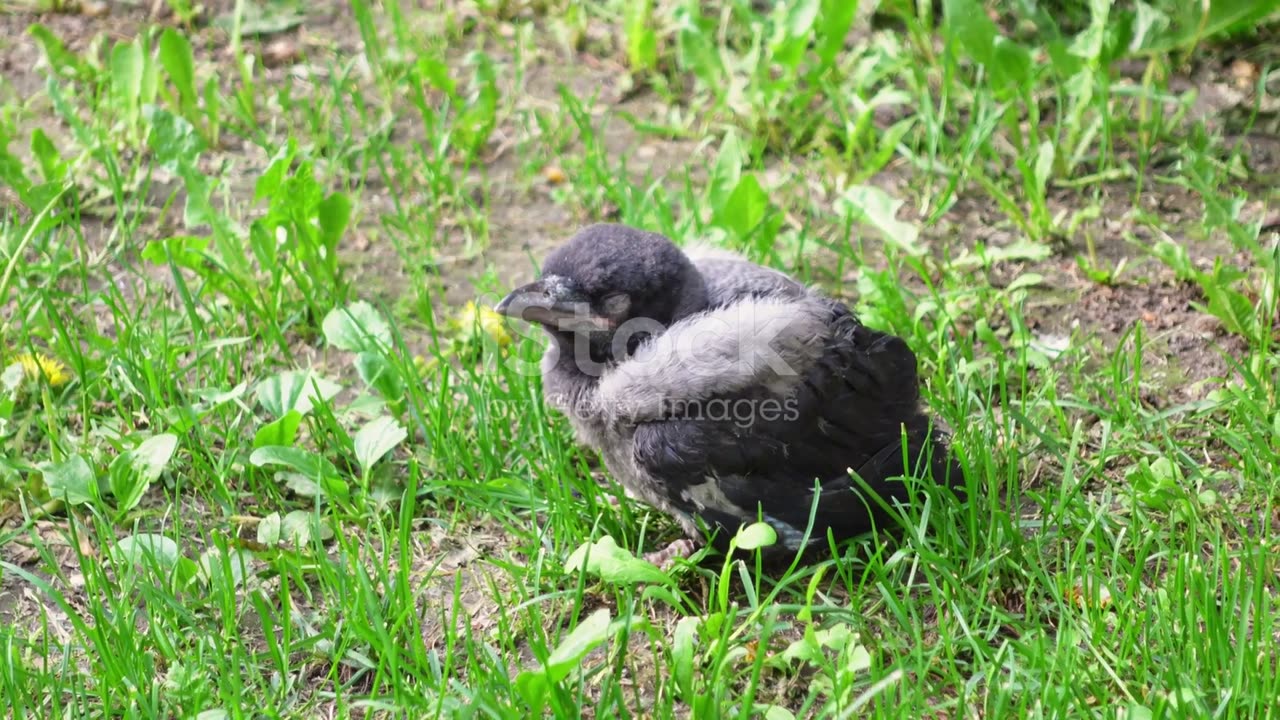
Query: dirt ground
524,224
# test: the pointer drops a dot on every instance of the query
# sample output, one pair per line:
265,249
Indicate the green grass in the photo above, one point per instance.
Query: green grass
275,465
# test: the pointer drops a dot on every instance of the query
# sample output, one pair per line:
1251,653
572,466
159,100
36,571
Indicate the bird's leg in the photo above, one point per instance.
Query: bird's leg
667,556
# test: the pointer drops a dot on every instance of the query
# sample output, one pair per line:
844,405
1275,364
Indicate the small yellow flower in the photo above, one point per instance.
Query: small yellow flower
39,366
490,322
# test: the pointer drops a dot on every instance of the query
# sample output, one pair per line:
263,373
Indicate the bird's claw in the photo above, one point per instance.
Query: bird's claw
667,556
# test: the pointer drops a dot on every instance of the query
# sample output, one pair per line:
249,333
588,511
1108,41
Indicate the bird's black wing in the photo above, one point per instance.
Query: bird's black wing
849,411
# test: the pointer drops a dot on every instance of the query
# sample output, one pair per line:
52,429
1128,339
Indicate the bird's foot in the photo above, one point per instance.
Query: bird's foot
667,556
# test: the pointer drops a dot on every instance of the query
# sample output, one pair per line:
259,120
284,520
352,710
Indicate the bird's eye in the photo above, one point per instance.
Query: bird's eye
616,304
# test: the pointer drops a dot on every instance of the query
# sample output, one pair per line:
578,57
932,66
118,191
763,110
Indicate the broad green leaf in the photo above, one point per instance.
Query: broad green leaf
1008,62
662,594
150,76
1236,312
1021,249
63,61
152,456
13,170
308,474
727,172
13,377
1175,256
71,480
333,214
682,652
356,328
1223,16
801,15
870,204
1011,67
967,22
795,32
213,397
264,17
1025,280
175,142
146,548
1149,23
301,461
1088,44
52,167
187,251
126,485
1044,166
298,528
127,62
269,529
1066,65
804,648
295,390
534,685
855,658
378,374
611,563
1166,472
1134,711
745,207
755,535
199,209
225,569
695,51
642,40
263,243
274,177
837,17
179,62
574,647
366,405
378,437
281,431
435,71
301,484
475,123
836,637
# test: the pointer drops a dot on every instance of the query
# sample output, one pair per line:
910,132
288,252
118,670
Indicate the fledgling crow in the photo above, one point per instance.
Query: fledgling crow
720,390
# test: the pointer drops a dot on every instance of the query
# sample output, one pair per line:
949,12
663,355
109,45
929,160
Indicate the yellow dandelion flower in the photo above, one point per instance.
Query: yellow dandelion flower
490,322
39,366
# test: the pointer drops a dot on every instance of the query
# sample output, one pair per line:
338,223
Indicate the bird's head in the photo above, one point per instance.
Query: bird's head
610,286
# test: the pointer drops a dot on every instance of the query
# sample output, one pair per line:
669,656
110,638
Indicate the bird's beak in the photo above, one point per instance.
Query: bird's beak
553,303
